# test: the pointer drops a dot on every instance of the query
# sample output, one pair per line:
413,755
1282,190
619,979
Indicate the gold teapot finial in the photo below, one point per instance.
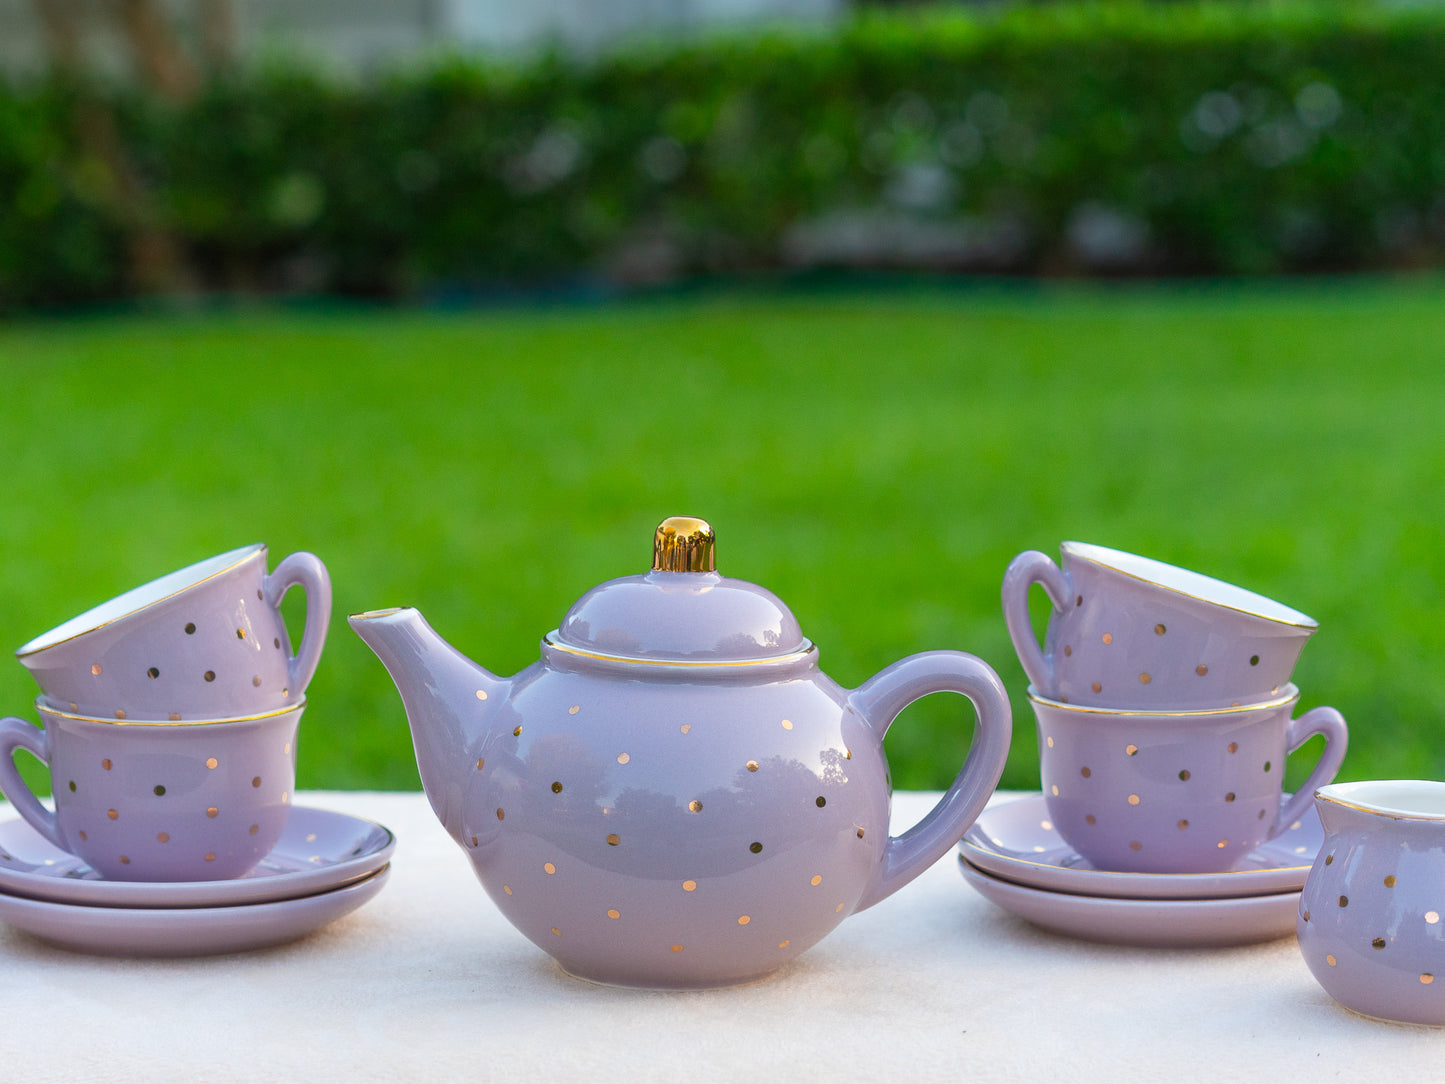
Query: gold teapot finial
683,544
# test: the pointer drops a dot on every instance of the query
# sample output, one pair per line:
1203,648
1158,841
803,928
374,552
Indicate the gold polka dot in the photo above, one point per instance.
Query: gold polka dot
481,763
1267,764
1426,978
517,732
1054,790
481,694
1222,844
501,813
1130,750
817,880
190,627
124,861
163,837
1201,669
1329,859
1051,742
613,839
1432,917
1144,679
1133,799
1136,846
1108,637
694,806
212,811
1159,630
556,931
1096,687
785,944
120,713
556,788
211,762
1085,772
1306,916
1254,660
755,847
256,781
1344,901
752,765
256,680
743,920
175,716
549,867
1089,818
95,669
623,758
613,912
1233,747
676,948
507,889
1390,881
1378,943
210,856
1230,797
838,908
787,724
1079,601
860,833
574,709
1068,651
112,814
1331,960
153,673
82,837
820,801
689,886
1184,775
684,728
254,829
210,675
474,841
1183,825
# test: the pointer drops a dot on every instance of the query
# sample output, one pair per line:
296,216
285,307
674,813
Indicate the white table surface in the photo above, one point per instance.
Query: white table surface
428,981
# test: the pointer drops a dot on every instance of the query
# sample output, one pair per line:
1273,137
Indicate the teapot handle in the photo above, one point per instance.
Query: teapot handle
306,571
18,734
879,700
1029,568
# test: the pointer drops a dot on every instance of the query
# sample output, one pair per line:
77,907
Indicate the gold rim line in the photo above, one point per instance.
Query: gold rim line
46,709
1086,709
385,611
1308,623
1377,811
1120,873
26,650
795,656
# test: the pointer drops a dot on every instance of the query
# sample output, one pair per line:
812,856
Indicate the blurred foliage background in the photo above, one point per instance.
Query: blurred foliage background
468,329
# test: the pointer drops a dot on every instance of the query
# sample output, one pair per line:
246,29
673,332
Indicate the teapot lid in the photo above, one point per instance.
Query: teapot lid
682,611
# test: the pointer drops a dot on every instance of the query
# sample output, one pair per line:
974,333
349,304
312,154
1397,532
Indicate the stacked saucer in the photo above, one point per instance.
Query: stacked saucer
1015,858
324,866
1164,706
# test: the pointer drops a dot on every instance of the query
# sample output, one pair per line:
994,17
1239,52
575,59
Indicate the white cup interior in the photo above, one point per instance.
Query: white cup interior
139,598
1191,584
1391,797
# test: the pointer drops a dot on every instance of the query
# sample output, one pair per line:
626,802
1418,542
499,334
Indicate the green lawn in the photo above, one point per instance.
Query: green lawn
874,457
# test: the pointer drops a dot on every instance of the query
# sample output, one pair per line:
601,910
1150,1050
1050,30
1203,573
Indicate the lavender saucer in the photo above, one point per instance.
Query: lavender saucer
318,850
1144,923
1016,840
184,931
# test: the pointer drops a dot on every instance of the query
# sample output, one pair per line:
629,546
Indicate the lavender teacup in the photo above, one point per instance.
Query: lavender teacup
158,801
1131,632
1177,792
205,642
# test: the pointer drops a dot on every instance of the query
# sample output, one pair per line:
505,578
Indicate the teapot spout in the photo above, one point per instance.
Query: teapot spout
449,702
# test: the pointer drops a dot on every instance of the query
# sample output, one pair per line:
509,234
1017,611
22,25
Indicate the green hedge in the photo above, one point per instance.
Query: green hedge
1099,138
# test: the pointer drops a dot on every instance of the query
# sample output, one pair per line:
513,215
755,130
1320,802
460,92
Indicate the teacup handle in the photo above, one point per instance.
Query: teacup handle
1330,724
306,571
18,734
1029,568
878,702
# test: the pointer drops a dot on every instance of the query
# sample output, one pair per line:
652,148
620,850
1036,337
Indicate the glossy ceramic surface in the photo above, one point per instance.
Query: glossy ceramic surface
1370,918
1177,792
1017,841
318,850
205,642
1130,632
675,795
186,931
1143,923
158,802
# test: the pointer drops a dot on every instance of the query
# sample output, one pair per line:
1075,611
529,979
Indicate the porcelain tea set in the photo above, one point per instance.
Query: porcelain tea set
675,794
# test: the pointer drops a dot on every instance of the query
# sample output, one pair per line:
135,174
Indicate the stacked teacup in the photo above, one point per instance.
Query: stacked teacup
1164,704
170,716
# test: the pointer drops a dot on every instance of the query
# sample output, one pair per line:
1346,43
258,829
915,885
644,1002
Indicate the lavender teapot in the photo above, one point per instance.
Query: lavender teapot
675,795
